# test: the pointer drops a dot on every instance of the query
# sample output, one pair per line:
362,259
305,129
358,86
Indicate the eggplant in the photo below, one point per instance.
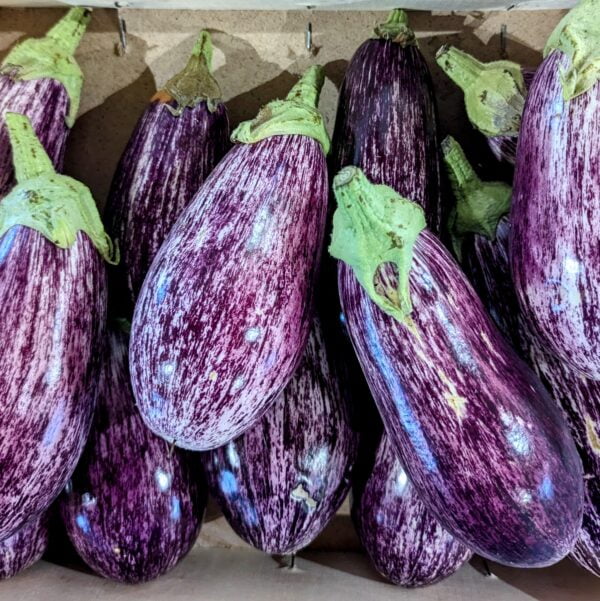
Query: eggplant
555,212
486,263
134,505
281,482
181,136
40,78
24,548
448,385
53,293
386,120
404,541
224,313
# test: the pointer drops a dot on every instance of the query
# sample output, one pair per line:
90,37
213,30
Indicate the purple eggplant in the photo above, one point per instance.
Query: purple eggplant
134,505
387,120
486,263
282,481
485,447
224,313
24,548
404,541
494,96
41,79
181,136
555,258
52,282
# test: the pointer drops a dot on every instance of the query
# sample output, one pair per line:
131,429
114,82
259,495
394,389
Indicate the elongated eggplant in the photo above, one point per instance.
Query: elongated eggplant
41,79
404,541
282,481
53,294
134,505
224,313
555,210
486,263
181,136
386,120
24,548
482,442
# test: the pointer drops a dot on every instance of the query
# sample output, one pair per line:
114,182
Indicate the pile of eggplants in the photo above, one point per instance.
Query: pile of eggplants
281,482
485,259
135,504
448,385
225,310
41,79
53,292
404,541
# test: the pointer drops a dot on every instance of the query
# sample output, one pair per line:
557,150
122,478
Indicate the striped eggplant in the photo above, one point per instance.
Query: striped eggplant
404,541
181,136
485,447
486,263
53,294
224,313
134,505
555,210
24,548
282,481
386,121
494,96
41,79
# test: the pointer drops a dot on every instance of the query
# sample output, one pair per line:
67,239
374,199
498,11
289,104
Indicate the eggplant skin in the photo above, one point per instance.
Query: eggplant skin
485,447
404,541
54,303
166,160
134,505
386,123
224,313
46,103
486,264
281,482
24,548
554,216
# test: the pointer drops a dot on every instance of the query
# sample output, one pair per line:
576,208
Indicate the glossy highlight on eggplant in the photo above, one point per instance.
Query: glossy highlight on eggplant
281,482
225,311
555,215
404,541
180,137
53,295
30,84
134,505
448,385
24,548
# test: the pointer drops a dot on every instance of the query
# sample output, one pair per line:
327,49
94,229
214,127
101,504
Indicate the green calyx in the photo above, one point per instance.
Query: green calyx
396,29
55,205
494,92
479,205
373,225
297,114
195,83
52,57
578,36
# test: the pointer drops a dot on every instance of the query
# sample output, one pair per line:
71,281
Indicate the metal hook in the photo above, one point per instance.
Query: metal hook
122,47
308,36
503,29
